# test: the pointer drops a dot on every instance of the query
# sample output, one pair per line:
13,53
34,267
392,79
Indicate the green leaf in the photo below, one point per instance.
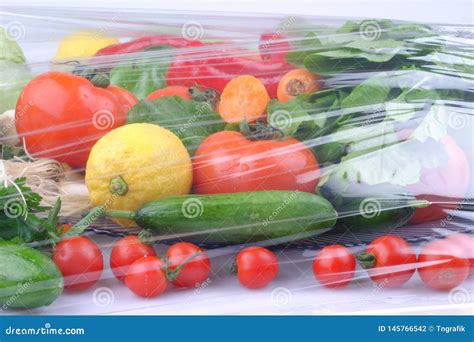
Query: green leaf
13,78
10,51
374,90
288,117
19,210
142,76
190,120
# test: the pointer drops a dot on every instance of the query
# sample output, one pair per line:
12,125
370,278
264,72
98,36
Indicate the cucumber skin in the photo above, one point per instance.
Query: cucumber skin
392,215
28,278
239,217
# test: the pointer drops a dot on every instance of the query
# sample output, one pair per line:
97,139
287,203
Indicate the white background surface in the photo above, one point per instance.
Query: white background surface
447,11
295,291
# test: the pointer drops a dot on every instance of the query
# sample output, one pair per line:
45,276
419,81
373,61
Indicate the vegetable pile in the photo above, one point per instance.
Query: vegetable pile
325,129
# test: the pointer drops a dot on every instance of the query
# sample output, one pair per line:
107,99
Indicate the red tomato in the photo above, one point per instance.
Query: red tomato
126,251
334,266
195,271
180,91
146,277
228,162
466,246
390,259
80,262
61,115
441,268
256,267
447,183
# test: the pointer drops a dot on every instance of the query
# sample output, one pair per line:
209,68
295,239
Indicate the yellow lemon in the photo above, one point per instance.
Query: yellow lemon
83,44
136,164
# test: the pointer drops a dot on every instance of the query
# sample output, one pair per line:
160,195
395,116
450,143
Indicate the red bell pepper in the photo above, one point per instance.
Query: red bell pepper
141,44
216,71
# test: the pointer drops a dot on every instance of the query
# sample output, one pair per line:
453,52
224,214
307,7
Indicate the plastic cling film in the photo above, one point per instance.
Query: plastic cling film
296,139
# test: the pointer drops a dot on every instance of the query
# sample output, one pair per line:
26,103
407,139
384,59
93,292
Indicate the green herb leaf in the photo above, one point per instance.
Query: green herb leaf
143,76
190,120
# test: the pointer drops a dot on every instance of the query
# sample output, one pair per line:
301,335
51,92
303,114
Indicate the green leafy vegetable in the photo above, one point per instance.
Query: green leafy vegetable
10,51
190,120
14,73
141,76
21,214
295,114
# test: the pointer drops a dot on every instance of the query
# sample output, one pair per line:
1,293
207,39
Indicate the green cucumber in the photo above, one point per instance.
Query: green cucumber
237,217
28,278
366,214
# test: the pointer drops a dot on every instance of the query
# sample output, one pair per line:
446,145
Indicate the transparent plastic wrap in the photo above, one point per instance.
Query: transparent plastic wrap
302,154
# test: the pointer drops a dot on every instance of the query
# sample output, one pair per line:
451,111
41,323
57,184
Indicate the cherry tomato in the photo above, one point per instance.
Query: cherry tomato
228,162
256,267
125,252
80,262
440,266
390,260
195,271
146,277
334,266
466,246
61,116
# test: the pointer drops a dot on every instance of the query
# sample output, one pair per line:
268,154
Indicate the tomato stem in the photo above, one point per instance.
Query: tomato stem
204,94
100,80
259,131
173,274
366,260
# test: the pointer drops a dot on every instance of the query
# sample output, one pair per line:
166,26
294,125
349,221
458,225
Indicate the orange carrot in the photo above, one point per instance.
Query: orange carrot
296,82
243,96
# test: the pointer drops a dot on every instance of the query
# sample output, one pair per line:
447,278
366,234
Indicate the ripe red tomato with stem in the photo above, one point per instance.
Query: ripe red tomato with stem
334,266
256,267
126,251
149,276
80,261
196,269
61,115
390,261
228,162
440,266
